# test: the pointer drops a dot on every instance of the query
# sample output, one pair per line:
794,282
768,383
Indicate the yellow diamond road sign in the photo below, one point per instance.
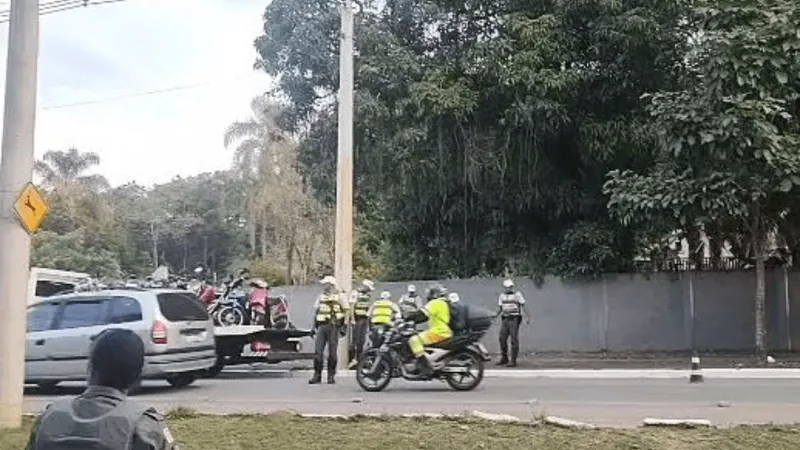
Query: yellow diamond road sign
31,208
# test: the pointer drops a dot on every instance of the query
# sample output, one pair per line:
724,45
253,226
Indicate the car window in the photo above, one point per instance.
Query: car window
124,310
179,306
40,316
84,313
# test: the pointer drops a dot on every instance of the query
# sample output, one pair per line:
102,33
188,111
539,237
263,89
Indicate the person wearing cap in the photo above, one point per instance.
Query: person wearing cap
359,314
329,317
382,314
410,301
103,417
511,307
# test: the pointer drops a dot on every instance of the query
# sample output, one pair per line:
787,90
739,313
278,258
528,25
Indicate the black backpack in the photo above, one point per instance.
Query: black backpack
459,317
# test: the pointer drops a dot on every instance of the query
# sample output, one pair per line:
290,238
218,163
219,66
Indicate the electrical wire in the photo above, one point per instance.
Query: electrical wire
56,6
143,93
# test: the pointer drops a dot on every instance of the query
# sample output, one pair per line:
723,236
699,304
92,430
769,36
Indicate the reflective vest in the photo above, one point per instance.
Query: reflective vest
409,303
61,429
361,306
383,311
329,309
509,305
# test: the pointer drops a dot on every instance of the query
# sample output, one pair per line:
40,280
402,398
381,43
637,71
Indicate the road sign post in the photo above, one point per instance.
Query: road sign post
15,175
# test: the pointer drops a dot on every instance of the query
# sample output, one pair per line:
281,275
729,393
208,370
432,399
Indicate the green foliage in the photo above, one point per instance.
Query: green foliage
268,271
483,129
70,252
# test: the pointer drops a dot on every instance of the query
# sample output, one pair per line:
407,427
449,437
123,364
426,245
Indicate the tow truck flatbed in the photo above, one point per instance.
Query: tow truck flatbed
233,346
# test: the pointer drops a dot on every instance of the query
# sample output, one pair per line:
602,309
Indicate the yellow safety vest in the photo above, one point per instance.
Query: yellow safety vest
361,306
329,309
382,312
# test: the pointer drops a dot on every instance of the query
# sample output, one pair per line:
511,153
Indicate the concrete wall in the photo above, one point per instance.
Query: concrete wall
664,311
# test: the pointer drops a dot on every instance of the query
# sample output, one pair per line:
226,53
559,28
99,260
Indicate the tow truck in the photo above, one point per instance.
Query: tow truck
234,346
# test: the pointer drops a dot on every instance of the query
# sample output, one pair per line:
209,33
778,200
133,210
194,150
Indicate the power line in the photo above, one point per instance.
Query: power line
56,6
141,93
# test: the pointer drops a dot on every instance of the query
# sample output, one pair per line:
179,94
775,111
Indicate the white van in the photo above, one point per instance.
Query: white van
48,282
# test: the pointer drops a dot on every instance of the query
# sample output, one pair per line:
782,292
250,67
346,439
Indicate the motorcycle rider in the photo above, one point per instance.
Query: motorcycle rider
382,314
329,316
359,316
511,306
437,313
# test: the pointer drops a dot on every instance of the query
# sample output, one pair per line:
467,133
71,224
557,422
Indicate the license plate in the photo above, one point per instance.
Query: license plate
195,337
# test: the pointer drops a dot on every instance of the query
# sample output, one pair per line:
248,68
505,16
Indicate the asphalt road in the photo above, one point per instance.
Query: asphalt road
606,402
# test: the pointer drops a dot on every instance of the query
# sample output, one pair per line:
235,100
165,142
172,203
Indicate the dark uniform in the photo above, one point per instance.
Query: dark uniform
511,306
328,320
360,324
100,418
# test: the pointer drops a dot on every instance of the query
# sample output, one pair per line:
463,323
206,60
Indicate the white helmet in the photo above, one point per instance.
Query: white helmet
453,297
328,280
508,283
412,289
368,284
386,295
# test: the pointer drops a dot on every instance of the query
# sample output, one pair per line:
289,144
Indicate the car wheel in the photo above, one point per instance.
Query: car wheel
181,380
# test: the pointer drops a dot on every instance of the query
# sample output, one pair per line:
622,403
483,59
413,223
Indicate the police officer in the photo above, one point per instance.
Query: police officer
328,322
511,306
103,417
359,311
410,301
382,314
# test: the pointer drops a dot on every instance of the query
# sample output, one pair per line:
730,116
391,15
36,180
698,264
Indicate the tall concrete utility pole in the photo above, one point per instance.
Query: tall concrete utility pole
16,169
344,168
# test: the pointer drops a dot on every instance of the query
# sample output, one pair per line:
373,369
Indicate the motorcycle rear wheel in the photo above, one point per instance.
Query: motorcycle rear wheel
473,363
383,372
229,316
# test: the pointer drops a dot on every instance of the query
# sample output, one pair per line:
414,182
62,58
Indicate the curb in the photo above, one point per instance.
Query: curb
682,423
567,423
609,374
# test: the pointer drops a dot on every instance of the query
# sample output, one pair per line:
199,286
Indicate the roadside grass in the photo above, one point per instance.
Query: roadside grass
290,432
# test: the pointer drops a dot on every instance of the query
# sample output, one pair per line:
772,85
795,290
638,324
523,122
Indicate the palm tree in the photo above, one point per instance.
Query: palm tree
256,136
64,176
64,169
258,141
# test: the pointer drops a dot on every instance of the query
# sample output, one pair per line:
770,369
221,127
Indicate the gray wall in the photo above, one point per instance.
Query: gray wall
663,311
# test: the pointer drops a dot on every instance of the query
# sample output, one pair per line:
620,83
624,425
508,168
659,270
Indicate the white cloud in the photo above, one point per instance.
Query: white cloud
135,46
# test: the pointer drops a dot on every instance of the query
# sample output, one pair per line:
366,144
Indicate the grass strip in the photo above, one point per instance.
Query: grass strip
286,431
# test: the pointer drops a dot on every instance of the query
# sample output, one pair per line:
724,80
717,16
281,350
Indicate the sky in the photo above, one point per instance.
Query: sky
201,51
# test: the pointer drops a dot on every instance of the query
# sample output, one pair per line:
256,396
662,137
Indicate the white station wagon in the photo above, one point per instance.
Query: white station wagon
177,333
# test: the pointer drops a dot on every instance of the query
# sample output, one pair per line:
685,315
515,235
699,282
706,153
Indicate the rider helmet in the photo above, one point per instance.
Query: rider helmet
412,289
385,295
436,291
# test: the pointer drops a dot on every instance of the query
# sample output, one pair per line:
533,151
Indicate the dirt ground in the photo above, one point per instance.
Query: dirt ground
290,432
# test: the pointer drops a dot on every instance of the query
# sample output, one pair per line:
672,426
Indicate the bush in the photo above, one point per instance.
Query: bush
272,273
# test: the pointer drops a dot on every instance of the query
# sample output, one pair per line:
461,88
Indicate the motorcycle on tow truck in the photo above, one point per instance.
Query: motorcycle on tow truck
458,361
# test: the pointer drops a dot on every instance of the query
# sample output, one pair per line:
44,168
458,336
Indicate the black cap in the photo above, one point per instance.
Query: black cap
116,359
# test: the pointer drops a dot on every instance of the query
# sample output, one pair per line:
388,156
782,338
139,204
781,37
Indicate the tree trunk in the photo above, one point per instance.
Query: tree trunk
290,258
760,309
154,237
251,224
264,239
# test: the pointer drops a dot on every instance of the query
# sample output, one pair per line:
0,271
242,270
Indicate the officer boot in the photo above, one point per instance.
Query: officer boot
317,377
331,377
514,353
425,369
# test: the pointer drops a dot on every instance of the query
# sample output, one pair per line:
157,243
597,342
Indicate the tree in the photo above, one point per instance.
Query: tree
255,139
730,137
483,129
